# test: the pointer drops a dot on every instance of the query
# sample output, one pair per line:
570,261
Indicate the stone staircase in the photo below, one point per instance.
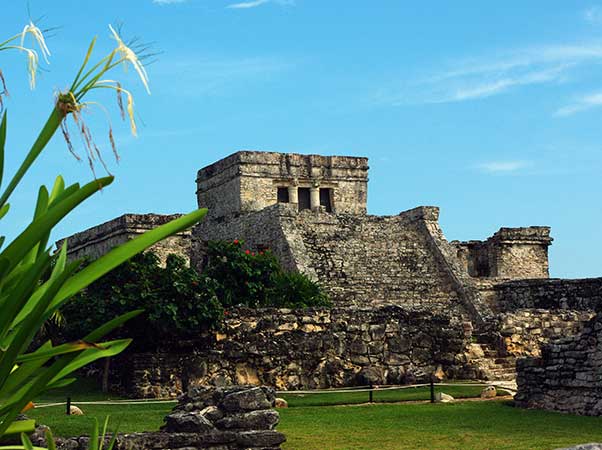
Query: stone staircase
488,362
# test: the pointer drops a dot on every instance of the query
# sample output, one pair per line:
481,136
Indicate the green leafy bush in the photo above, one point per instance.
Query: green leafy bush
243,278
257,279
178,302
295,290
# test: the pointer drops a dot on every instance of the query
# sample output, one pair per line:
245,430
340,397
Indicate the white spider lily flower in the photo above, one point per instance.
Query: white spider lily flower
112,84
38,36
32,66
130,56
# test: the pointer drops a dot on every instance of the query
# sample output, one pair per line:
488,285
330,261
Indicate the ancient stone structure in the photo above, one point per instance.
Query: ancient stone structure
232,418
311,348
510,253
98,240
470,307
568,375
250,181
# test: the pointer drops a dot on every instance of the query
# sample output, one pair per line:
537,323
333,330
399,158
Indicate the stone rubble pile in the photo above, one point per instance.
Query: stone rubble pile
208,418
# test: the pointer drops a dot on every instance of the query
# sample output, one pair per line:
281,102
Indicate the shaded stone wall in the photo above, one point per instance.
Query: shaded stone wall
96,241
582,294
209,418
307,349
567,377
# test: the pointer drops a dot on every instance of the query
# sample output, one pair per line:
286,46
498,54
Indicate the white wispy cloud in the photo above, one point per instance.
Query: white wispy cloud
219,76
502,166
583,103
256,3
593,15
476,78
168,2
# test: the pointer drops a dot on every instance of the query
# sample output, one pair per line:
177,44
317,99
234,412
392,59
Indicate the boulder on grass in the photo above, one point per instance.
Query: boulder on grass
281,403
75,411
489,392
440,397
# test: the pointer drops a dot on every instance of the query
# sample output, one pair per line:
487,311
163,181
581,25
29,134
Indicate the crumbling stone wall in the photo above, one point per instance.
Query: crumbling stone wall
582,294
532,313
96,241
511,253
307,349
567,375
525,331
208,418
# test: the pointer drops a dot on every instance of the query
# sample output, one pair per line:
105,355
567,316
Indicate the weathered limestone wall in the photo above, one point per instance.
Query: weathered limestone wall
567,377
248,181
208,418
534,312
307,349
372,259
581,294
359,260
96,241
259,230
511,253
525,331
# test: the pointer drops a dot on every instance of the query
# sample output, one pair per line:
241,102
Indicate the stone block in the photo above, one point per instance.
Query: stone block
246,400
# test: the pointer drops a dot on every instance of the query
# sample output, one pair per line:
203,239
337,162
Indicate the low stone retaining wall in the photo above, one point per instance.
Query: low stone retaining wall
524,331
305,349
582,294
208,418
567,377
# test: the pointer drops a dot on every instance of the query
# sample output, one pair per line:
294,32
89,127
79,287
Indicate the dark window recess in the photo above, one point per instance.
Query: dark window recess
325,199
304,199
283,195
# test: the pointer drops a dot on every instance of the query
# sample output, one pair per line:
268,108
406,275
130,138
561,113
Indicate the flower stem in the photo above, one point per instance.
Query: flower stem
52,124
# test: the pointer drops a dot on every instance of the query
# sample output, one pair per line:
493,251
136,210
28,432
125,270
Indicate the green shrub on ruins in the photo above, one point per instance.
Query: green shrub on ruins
243,278
295,290
257,279
178,302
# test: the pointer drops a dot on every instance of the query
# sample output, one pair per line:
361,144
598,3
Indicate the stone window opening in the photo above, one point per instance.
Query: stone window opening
304,198
326,199
283,195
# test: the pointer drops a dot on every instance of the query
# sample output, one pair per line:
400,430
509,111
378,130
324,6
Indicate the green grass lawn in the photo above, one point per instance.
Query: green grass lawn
383,396
469,425
128,418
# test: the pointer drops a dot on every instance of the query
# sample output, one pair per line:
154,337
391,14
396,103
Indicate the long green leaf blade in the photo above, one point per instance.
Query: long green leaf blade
21,426
38,228
52,124
115,257
2,144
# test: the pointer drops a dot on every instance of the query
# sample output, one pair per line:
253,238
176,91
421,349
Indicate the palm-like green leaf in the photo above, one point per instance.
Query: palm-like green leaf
34,283
2,144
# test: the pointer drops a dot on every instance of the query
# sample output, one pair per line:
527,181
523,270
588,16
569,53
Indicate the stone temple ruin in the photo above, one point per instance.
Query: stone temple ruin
406,301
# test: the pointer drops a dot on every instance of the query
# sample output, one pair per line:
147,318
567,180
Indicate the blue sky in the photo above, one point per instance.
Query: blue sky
491,112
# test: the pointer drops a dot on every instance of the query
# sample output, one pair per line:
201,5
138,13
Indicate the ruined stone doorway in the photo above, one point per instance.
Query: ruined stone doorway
304,199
